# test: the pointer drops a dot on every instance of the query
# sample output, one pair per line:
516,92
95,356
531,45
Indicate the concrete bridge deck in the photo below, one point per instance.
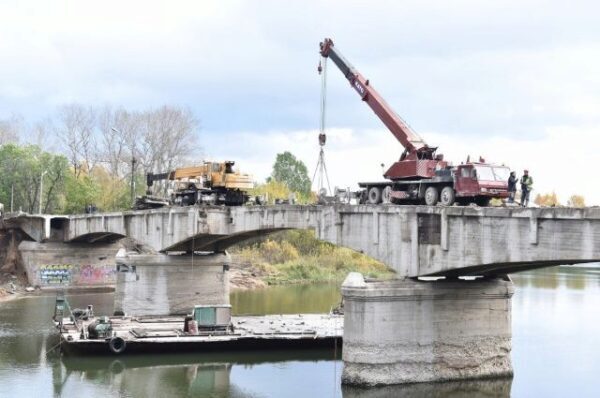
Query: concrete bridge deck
413,240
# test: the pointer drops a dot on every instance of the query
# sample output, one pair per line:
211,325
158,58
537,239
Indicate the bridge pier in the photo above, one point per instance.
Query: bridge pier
408,331
161,284
59,265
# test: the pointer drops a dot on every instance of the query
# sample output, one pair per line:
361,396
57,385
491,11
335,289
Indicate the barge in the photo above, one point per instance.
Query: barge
207,328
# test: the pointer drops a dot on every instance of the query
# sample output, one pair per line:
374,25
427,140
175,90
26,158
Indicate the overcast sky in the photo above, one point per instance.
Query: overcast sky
517,82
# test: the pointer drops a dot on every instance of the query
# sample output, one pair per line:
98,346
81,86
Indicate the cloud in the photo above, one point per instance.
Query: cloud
513,80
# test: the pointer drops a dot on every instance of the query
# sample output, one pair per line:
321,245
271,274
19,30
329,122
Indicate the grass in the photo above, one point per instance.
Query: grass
298,257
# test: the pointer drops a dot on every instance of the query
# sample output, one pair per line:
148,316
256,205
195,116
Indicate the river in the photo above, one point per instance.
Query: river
556,351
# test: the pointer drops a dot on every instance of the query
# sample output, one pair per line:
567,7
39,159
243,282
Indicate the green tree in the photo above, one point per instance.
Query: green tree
292,172
80,191
23,168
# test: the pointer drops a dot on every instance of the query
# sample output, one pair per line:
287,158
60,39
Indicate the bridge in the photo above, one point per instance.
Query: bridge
405,330
413,240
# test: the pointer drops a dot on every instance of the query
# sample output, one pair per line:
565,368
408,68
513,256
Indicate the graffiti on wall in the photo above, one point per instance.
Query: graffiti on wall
92,275
69,274
55,274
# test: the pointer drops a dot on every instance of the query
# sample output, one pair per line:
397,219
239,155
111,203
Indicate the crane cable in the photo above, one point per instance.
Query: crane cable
321,168
323,73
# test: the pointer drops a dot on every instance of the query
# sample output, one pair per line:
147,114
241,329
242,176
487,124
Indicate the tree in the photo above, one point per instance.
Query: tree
118,132
576,201
22,168
271,191
168,136
80,191
292,172
547,200
77,133
10,129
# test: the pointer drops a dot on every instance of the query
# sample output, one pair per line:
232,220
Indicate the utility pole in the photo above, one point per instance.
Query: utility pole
12,196
133,162
41,189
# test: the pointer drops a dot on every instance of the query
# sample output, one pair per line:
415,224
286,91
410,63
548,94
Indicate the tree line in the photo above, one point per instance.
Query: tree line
85,155
88,156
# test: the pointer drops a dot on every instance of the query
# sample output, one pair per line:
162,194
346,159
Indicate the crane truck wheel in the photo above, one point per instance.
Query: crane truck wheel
431,196
482,201
374,196
386,195
447,196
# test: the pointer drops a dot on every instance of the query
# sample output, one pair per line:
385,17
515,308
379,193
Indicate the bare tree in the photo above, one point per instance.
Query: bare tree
119,133
42,134
77,133
11,129
169,137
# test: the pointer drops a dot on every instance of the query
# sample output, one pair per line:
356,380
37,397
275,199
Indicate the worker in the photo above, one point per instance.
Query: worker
512,187
526,187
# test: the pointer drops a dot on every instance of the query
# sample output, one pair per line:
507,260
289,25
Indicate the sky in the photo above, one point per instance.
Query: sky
517,82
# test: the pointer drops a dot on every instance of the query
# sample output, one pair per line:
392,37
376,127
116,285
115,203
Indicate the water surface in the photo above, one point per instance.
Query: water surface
556,351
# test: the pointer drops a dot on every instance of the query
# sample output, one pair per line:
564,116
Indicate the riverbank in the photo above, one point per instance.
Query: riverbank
14,286
293,257
6,295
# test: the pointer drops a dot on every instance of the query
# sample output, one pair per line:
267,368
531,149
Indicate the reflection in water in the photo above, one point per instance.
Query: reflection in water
294,299
477,388
195,375
197,380
571,277
555,346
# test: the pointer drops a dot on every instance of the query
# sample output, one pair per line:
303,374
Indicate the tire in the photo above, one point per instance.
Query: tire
386,195
431,196
447,196
482,201
374,196
117,345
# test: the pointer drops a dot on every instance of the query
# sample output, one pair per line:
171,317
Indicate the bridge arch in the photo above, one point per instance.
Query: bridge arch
98,237
219,243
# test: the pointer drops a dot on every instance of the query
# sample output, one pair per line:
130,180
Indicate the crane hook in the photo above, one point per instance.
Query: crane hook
319,68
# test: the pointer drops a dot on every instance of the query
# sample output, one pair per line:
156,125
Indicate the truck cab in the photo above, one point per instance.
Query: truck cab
481,181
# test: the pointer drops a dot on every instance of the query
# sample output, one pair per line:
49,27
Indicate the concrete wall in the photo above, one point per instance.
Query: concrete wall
406,331
163,284
57,265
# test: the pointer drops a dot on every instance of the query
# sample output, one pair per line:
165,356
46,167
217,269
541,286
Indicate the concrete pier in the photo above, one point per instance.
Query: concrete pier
408,331
58,265
160,284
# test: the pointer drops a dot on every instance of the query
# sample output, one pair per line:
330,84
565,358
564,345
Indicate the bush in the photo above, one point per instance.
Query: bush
297,256
275,252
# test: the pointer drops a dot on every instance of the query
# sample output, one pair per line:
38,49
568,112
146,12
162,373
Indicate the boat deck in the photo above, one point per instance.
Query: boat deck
166,334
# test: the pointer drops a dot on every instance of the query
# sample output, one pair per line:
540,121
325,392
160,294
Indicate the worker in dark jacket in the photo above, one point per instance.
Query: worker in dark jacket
512,187
526,187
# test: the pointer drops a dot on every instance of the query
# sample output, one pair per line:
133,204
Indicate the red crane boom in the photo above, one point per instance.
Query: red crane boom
415,146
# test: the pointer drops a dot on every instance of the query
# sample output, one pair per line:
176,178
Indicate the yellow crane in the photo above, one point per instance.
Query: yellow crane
214,183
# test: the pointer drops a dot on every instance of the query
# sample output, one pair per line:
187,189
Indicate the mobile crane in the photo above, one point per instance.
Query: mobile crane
420,175
211,183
